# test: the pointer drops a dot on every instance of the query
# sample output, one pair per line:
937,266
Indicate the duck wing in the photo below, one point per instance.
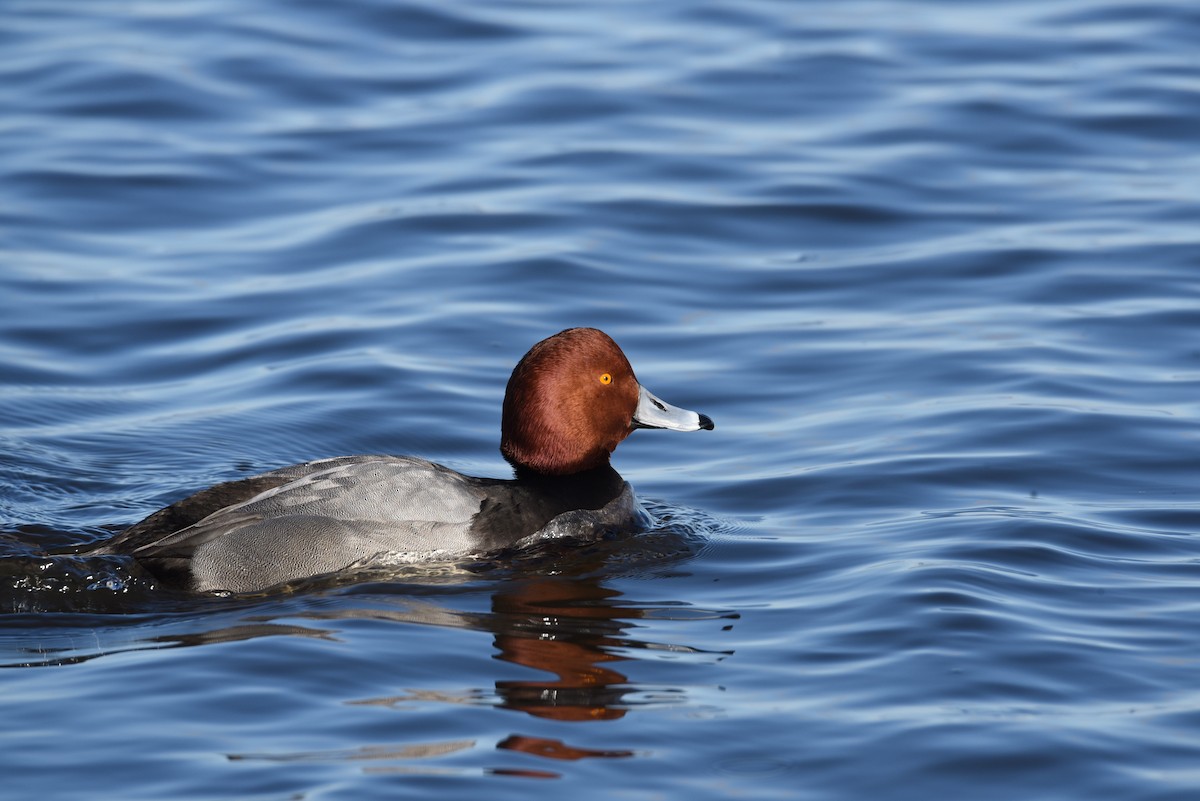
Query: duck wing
304,520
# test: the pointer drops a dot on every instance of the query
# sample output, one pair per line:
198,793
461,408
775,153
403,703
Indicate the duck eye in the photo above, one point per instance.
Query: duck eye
605,378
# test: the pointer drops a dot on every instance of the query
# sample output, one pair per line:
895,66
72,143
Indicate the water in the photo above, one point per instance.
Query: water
932,268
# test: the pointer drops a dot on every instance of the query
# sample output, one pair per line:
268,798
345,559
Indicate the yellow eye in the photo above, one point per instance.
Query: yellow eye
605,378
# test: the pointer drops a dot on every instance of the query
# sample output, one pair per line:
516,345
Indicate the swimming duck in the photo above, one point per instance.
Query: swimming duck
568,404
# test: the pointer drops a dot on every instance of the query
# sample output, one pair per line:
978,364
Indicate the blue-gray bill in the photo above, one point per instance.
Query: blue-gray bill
653,412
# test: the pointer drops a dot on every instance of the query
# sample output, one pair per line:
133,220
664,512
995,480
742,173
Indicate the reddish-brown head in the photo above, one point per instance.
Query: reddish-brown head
572,399
569,402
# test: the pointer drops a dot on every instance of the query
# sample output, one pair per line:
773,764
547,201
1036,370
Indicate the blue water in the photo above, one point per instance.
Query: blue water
933,269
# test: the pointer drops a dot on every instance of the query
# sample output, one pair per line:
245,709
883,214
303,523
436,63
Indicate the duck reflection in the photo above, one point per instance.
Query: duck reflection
570,629
573,632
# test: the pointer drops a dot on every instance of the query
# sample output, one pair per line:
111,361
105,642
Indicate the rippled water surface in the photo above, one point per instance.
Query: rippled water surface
933,269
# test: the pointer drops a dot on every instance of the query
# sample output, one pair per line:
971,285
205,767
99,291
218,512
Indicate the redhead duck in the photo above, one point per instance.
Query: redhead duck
569,402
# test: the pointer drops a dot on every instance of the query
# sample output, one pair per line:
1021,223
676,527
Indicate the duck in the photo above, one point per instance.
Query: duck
571,399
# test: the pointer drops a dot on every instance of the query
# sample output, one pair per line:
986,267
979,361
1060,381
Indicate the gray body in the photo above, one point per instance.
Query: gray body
354,511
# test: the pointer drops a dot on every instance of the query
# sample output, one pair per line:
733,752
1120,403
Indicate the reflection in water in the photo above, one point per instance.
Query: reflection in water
52,649
568,629
365,753
571,628
574,632
375,754
554,626
554,749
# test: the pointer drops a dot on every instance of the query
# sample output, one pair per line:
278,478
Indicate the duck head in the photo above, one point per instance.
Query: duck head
572,399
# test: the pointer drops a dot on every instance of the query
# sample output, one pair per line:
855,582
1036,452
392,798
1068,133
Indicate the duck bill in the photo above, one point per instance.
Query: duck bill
654,413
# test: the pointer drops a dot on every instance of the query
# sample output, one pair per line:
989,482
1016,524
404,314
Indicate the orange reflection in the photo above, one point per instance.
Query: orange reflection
562,627
555,749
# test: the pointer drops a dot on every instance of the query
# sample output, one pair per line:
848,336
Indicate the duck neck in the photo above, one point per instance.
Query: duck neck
584,489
